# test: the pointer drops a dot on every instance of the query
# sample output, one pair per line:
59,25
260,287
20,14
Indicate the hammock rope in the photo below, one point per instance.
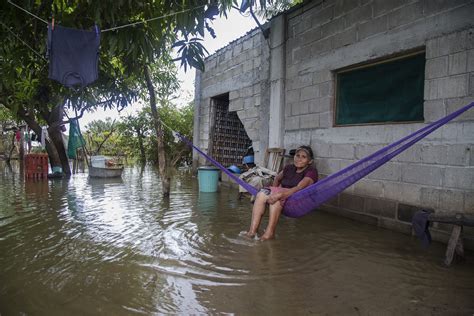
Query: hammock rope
308,199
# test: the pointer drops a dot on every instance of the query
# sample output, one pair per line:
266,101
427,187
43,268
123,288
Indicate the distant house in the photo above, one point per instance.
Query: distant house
349,77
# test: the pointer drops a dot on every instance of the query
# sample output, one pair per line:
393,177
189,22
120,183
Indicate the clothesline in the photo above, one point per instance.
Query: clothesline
116,27
24,43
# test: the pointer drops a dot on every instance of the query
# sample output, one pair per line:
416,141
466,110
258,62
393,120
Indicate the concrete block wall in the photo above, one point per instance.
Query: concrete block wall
438,172
324,36
240,69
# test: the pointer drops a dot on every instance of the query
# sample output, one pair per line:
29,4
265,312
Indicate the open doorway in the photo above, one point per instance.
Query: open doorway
229,140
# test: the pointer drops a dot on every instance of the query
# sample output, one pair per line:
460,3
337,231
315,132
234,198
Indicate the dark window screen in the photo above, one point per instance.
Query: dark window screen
386,92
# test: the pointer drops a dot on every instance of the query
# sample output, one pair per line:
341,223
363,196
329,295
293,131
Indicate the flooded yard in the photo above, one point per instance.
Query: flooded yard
81,246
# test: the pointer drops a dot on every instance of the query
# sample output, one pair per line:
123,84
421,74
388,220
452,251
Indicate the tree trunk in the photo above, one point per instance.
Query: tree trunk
54,159
165,178
54,131
141,146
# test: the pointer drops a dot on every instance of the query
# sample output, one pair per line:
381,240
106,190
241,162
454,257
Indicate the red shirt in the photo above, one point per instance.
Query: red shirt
291,178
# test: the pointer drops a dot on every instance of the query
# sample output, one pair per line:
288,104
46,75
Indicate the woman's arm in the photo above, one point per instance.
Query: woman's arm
277,180
306,181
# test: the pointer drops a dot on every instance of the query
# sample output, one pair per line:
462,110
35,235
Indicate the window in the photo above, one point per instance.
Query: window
382,92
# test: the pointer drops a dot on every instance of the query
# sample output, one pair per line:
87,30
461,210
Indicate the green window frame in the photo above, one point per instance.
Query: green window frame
382,92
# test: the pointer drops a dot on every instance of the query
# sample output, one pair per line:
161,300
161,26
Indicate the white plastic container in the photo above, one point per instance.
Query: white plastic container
98,161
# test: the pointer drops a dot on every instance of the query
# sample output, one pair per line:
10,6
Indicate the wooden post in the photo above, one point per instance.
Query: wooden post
455,245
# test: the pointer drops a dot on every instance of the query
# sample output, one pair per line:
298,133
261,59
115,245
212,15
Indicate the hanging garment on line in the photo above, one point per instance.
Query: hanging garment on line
44,136
73,55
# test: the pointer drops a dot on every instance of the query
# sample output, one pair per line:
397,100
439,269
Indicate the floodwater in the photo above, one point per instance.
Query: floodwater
114,247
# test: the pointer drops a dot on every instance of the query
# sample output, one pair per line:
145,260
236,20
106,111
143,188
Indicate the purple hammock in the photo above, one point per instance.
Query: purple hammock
308,199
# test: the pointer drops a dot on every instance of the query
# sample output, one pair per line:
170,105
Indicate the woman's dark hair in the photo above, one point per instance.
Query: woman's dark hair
307,149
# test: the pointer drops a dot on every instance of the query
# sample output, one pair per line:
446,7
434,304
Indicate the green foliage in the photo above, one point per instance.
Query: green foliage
125,136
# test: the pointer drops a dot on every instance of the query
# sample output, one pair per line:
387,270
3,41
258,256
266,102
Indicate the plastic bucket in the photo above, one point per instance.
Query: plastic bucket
208,178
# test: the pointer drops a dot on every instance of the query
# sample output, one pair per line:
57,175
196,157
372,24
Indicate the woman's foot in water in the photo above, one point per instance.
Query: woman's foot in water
267,236
247,234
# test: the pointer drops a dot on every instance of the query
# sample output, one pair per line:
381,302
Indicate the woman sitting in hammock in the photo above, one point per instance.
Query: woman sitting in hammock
294,177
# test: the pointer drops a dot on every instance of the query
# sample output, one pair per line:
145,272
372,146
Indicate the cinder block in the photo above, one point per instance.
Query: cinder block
247,44
322,76
345,38
431,89
322,16
234,94
452,43
320,47
405,192
326,120
309,121
249,103
383,6
380,207
342,151
469,201
252,112
358,15
470,60
333,27
436,67
300,81
344,6
321,149
372,27
471,84
405,15
422,174
309,93
364,150
237,49
412,155
434,110
451,200
236,104
246,92
389,171
352,202
430,197
368,187
458,63
459,178
434,154
459,155
431,7
326,89
453,87
292,123
300,108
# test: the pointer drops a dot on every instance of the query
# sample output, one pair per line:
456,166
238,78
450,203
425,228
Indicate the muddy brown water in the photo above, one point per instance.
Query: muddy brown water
116,247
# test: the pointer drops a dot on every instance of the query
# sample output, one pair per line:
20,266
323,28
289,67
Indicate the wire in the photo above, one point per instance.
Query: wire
117,27
44,21
152,19
18,38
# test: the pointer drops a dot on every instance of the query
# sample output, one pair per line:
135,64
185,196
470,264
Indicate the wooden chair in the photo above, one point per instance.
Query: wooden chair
273,159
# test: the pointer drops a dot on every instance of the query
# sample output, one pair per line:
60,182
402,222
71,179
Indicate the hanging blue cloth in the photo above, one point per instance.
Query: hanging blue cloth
73,55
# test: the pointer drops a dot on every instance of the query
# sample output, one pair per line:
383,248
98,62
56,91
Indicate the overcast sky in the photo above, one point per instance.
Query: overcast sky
226,31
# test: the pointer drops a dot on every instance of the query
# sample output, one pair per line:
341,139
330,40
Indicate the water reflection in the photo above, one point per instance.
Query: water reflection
116,246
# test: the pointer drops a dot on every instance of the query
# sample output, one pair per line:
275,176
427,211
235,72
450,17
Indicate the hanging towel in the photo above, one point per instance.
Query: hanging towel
44,136
73,55
420,225
75,139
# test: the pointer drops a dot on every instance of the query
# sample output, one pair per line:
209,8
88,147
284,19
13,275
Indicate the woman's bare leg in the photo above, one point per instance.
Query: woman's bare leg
275,211
257,213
